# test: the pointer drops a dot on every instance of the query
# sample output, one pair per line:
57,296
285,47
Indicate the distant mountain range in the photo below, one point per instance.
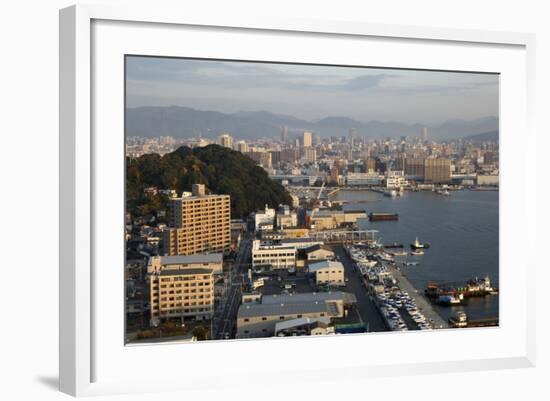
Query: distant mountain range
183,122
484,136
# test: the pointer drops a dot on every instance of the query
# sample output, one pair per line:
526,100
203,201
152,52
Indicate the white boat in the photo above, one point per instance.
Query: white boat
419,245
417,253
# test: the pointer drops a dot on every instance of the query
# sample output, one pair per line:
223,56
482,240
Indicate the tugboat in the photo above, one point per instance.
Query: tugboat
418,245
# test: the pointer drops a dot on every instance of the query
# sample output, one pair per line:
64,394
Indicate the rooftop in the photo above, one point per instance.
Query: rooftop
191,259
276,309
303,297
287,324
324,264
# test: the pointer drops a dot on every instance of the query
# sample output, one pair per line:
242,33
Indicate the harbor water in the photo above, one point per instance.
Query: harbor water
462,230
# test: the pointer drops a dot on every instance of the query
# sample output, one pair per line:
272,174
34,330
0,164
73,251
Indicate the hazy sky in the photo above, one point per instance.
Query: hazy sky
311,92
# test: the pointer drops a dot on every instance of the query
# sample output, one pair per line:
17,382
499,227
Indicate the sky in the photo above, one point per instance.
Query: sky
311,92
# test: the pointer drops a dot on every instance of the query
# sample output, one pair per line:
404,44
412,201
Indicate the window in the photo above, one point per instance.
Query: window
264,318
246,320
281,317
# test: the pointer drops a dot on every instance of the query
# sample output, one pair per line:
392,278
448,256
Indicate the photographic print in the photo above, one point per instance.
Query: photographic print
280,200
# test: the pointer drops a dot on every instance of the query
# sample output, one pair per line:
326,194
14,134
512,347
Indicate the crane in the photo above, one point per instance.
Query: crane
315,204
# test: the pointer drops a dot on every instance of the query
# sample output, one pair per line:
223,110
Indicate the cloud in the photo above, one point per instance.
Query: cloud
310,91
367,81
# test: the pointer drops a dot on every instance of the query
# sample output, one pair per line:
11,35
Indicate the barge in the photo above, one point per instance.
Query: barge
383,216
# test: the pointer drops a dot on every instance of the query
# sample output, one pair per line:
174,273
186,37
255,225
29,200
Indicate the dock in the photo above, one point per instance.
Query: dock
424,306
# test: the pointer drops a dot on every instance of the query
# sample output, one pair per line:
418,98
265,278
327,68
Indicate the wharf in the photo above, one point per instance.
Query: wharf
424,306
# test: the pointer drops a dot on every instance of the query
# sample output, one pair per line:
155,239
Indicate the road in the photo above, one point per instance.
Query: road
368,313
226,314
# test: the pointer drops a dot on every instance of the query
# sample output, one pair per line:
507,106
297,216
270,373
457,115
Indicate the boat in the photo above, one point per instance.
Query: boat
417,253
385,257
450,299
399,252
383,216
410,263
472,288
460,319
369,263
418,245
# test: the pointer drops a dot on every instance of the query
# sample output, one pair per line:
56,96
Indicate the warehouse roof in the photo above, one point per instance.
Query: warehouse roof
256,310
325,264
303,297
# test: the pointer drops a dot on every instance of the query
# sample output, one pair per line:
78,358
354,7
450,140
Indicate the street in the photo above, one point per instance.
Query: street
226,312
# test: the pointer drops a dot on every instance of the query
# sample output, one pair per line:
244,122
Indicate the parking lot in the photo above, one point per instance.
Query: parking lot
365,310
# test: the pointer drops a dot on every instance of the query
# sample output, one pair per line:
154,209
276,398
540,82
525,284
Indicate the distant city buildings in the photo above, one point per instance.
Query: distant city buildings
437,170
242,147
307,139
226,141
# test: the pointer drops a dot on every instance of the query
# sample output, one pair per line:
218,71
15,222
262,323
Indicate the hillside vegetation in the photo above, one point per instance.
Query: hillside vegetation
222,170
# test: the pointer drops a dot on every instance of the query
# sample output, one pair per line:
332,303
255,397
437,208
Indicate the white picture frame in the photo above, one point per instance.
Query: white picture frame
85,330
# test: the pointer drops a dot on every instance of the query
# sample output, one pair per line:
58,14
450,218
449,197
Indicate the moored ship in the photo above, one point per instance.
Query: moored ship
472,288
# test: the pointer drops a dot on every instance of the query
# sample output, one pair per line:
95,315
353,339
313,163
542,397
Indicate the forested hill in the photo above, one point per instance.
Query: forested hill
222,170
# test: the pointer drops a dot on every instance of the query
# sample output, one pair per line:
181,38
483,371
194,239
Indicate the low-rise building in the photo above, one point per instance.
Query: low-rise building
317,252
328,272
264,218
329,219
276,256
177,293
364,179
260,319
395,179
286,218
304,326
488,180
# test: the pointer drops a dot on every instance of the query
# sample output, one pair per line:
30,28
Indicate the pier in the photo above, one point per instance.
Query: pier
423,304
344,236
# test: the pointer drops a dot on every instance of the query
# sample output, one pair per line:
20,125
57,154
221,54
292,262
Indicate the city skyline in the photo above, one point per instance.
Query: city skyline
312,92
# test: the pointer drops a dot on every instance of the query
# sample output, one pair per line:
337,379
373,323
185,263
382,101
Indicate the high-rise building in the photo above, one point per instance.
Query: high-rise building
242,147
198,223
414,166
226,141
424,134
307,140
275,157
284,134
437,170
310,155
352,134
289,155
262,158
370,164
